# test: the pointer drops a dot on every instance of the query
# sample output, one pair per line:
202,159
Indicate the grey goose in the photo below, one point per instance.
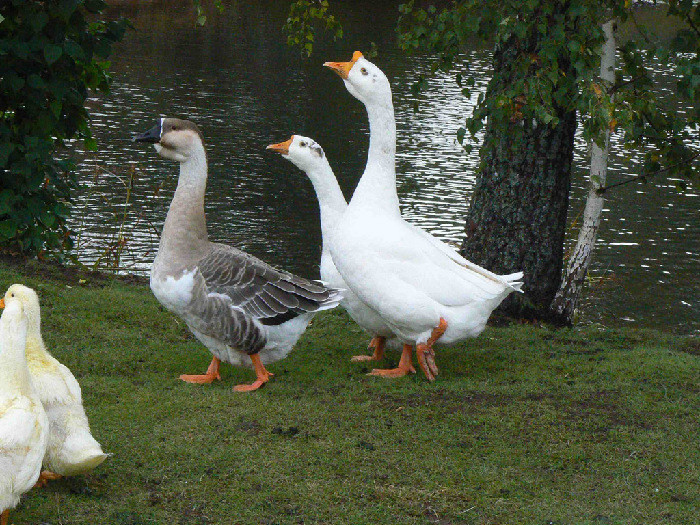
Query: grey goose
241,308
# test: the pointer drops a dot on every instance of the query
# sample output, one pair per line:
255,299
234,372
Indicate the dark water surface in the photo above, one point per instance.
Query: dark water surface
243,86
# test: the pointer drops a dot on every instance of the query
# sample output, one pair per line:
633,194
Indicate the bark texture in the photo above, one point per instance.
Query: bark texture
517,216
564,305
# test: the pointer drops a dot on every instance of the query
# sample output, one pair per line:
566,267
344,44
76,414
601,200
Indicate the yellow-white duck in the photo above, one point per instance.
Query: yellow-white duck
423,289
71,450
24,426
308,156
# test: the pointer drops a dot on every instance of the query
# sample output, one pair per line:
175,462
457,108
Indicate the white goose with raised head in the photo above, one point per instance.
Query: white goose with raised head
241,308
24,427
422,288
308,156
71,449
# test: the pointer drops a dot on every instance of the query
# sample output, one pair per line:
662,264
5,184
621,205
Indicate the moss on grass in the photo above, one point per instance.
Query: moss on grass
525,425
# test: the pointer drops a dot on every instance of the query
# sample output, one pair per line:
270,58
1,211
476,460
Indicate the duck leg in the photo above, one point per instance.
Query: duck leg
205,379
262,373
5,517
405,365
426,354
45,477
377,343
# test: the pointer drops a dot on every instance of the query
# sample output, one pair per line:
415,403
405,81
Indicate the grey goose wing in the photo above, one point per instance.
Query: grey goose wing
260,290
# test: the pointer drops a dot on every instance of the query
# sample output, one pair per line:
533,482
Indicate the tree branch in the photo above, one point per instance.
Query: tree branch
601,191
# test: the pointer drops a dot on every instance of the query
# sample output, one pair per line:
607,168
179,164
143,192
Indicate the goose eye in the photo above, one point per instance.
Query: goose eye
303,144
363,71
174,128
12,295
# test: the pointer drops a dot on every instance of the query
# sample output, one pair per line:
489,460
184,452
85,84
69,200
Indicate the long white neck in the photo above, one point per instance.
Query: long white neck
185,228
14,373
377,187
330,198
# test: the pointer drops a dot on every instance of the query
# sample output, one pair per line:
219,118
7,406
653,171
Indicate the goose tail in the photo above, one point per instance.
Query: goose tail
514,281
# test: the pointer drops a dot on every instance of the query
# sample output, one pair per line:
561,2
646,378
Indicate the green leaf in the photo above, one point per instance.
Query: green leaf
52,53
6,148
461,132
8,229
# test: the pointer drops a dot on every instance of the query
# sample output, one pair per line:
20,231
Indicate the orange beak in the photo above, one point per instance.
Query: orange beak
282,148
343,68
2,303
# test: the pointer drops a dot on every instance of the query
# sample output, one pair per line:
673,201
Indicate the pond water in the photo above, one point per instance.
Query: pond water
236,78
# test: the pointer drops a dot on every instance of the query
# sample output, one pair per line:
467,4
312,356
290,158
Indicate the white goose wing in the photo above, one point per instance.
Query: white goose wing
510,279
413,262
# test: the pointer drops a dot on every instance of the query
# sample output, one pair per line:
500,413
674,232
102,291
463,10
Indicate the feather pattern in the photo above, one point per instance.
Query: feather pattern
234,303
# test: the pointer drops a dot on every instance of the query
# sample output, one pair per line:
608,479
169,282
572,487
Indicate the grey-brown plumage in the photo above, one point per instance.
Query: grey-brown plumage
233,289
234,303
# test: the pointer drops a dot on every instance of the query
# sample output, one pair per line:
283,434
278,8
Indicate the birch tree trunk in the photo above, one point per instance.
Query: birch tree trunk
567,297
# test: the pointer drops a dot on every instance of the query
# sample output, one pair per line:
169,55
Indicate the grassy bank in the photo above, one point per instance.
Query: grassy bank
525,425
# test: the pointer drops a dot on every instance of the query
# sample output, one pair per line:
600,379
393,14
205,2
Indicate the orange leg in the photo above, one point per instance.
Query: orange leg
260,371
45,477
5,517
405,365
377,343
426,354
212,373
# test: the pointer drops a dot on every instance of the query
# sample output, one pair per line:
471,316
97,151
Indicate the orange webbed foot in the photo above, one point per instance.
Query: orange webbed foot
45,477
260,371
405,366
426,360
377,343
211,375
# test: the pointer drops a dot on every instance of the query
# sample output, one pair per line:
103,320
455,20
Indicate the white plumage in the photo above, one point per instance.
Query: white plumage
423,289
23,422
71,448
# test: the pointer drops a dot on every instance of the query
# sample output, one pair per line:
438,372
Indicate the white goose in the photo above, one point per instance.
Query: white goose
24,426
309,157
422,288
71,449
241,308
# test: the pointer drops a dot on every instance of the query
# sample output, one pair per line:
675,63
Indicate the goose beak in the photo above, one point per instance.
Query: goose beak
2,303
282,148
152,135
343,68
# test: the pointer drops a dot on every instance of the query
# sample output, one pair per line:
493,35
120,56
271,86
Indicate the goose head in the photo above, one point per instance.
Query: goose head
13,312
365,81
303,152
174,139
29,302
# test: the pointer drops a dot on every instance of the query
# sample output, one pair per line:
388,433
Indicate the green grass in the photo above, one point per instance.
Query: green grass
524,425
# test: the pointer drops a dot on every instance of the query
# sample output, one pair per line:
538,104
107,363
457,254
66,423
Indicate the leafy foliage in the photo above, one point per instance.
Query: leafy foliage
304,16
556,67
199,11
52,53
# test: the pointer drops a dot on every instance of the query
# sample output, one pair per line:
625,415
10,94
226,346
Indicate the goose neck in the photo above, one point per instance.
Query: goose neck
14,373
185,225
378,184
330,197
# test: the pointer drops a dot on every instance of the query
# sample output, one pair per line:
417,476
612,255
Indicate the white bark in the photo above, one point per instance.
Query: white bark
567,297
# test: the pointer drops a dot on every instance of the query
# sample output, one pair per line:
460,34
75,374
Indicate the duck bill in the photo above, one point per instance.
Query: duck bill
282,148
152,135
343,68
2,303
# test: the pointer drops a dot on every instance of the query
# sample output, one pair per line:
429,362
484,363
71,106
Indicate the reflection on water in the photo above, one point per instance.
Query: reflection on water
237,79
